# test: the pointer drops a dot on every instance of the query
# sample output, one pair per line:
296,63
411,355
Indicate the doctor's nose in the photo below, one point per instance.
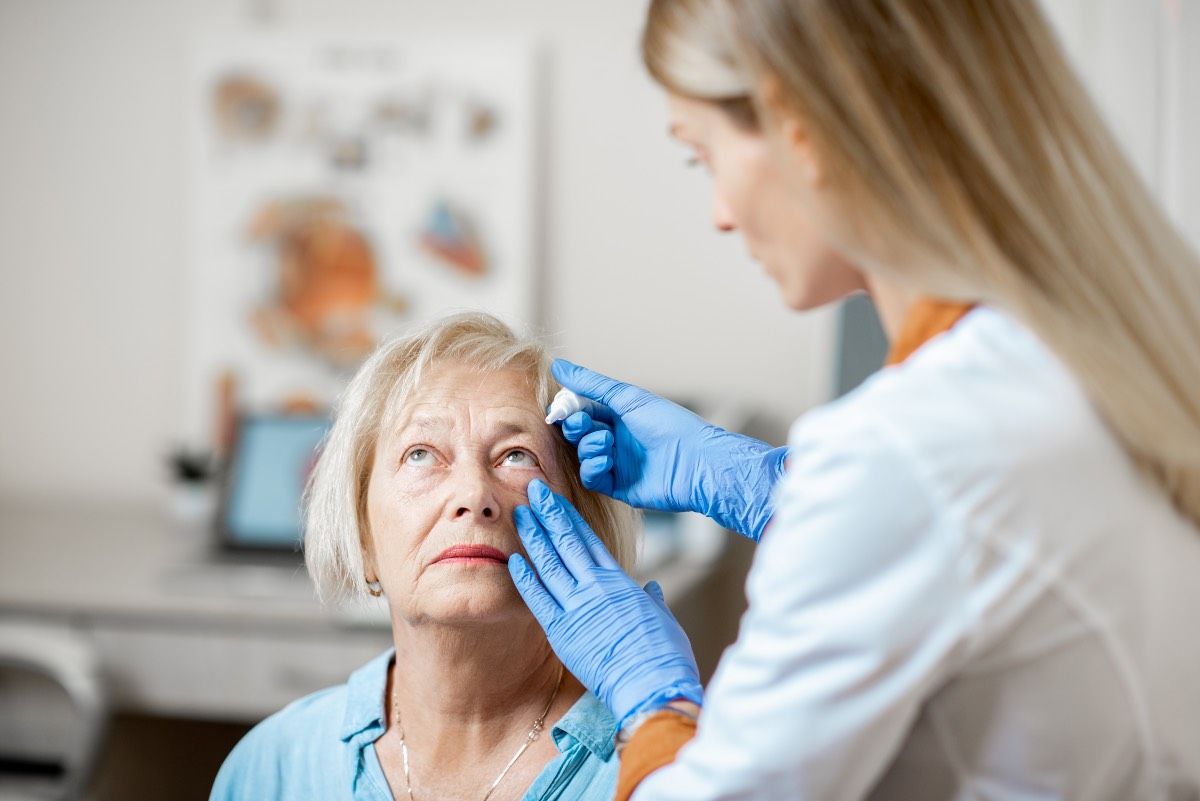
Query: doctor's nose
722,216
474,496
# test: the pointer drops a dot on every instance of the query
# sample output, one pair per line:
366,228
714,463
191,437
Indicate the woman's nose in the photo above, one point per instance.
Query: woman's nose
475,495
722,216
485,510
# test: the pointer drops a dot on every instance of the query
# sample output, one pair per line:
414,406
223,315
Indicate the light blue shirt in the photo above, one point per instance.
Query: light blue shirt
322,747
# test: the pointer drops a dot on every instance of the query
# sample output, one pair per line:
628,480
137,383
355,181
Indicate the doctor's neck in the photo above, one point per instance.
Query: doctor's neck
892,303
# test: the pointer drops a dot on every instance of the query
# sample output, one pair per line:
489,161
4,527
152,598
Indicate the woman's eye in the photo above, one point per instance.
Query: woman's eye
519,458
418,456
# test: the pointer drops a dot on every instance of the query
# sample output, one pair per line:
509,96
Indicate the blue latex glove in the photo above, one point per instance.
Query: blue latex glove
620,640
653,454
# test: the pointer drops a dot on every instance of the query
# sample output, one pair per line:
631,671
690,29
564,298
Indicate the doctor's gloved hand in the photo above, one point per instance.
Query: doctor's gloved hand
654,454
620,640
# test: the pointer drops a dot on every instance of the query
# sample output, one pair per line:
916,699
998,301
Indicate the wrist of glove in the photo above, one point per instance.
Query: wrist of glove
686,690
734,486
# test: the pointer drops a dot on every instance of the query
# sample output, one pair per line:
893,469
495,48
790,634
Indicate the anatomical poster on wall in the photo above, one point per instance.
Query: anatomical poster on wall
343,190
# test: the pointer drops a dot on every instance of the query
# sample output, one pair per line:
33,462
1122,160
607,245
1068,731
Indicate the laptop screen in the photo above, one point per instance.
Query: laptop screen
271,461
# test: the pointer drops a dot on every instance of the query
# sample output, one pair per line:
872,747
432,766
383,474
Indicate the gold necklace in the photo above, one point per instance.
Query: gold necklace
529,738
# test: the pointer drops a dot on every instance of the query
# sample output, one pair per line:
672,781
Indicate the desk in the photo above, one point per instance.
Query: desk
183,636
177,635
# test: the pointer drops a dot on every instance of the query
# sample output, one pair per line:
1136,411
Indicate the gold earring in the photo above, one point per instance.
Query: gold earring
374,588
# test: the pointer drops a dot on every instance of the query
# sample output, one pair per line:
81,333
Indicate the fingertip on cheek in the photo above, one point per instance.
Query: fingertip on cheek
539,492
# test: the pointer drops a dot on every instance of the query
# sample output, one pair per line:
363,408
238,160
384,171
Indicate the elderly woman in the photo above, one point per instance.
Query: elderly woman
434,444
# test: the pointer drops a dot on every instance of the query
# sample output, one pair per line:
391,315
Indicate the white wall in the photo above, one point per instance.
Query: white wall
93,204
1140,61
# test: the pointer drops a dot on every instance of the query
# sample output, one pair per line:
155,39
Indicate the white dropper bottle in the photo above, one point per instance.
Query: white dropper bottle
565,404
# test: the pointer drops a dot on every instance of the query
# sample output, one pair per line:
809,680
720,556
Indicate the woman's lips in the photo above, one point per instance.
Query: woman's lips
472,553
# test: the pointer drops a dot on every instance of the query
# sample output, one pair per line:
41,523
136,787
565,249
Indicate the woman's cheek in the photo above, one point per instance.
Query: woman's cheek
415,480
517,479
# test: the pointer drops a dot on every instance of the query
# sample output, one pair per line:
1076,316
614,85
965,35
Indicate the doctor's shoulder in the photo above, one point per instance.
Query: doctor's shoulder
288,755
983,423
932,494
982,402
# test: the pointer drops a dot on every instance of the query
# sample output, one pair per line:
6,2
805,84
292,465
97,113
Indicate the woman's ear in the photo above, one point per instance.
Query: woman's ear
791,133
370,572
801,150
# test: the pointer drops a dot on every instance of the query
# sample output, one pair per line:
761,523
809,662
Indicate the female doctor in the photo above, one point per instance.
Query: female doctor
952,597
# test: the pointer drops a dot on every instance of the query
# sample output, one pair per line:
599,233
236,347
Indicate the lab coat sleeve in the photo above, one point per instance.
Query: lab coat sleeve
857,606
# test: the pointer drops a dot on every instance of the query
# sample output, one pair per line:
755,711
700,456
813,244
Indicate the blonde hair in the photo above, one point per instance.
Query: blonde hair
335,499
958,126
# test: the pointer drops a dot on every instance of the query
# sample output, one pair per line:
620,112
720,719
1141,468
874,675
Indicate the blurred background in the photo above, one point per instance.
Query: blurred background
210,211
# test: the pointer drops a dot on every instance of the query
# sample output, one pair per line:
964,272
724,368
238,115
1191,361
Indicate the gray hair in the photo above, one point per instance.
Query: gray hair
334,506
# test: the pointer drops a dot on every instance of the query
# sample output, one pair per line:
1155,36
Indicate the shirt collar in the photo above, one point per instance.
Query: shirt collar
925,319
364,696
588,722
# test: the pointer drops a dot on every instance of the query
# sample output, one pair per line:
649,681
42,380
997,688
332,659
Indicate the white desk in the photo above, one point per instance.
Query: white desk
176,635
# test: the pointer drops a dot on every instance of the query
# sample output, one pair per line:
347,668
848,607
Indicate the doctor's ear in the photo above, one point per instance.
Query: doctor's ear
790,132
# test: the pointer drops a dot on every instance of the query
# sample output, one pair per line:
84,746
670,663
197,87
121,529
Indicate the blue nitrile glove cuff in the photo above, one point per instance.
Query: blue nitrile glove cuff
677,691
736,489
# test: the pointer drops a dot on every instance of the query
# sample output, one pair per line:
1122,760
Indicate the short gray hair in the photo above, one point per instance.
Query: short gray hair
335,498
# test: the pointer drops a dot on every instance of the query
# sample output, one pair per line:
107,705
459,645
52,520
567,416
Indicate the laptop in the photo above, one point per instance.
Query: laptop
258,513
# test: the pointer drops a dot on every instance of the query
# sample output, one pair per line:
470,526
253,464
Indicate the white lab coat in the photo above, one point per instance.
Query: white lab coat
967,592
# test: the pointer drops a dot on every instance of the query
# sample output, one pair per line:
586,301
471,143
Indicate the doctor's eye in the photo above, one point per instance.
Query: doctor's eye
518,457
693,161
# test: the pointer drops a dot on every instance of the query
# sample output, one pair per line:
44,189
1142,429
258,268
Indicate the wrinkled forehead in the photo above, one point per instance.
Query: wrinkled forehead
450,396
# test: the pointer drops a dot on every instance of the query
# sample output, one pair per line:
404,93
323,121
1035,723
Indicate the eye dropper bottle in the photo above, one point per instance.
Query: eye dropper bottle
565,404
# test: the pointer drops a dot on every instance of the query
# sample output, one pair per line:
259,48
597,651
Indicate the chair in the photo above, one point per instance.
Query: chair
53,712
